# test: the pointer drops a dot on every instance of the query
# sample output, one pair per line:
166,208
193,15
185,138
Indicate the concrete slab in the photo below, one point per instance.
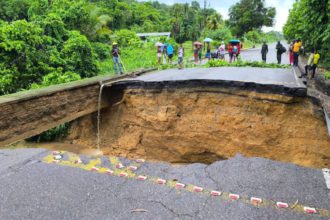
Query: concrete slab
267,80
270,76
69,191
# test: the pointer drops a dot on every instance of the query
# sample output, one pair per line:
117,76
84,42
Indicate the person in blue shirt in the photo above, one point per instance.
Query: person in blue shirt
170,52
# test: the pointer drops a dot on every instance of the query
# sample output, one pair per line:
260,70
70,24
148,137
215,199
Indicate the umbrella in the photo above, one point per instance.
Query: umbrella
158,44
208,40
234,41
197,43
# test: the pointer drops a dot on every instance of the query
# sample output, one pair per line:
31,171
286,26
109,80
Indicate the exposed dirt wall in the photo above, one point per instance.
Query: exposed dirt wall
184,126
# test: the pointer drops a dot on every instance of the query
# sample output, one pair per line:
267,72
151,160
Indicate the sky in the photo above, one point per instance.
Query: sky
222,6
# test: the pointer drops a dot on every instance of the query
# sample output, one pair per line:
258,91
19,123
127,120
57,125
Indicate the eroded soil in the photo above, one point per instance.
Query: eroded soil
185,126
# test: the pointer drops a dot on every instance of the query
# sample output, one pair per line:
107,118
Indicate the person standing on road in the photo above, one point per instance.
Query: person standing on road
264,51
208,51
159,54
291,52
230,51
180,56
222,51
116,59
312,63
170,52
164,52
196,53
279,50
296,50
200,50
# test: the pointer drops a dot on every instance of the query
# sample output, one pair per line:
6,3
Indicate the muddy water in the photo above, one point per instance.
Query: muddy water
186,126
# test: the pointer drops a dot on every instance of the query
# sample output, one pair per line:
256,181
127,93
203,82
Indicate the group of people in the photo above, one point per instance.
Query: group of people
295,49
166,52
280,49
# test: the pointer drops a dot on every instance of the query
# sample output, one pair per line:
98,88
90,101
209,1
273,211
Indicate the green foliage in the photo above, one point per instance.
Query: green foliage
222,34
127,38
78,53
239,63
327,75
247,15
310,21
56,133
56,77
101,50
22,58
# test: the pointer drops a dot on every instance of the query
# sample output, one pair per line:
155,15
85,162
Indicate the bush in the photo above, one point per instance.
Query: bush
126,37
222,34
78,53
102,51
56,133
221,63
327,75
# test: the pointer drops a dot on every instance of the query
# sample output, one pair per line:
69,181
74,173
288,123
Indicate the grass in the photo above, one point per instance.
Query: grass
239,63
327,75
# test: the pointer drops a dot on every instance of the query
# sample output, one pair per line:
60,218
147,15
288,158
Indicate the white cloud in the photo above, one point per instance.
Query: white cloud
222,6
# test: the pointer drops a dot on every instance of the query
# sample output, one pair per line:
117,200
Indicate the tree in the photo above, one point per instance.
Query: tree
214,21
247,15
310,21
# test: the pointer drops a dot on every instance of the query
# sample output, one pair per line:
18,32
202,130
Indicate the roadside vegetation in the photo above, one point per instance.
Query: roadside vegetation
240,63
44,42
50,42
310,21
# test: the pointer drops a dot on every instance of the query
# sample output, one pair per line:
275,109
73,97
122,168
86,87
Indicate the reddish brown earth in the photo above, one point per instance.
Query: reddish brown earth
185,126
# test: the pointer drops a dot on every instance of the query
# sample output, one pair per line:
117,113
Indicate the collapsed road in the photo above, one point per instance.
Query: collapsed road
84,188
216,126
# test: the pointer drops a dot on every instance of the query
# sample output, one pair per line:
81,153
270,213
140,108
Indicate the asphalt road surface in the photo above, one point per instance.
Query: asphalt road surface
33,187
255,54
269,76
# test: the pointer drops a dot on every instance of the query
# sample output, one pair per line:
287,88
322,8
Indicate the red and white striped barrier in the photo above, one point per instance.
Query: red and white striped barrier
282,205
133,168
123,174
233,196
142,177
119,166
161,181
179,185
310,210
109,171
94,169
198,189
140,160
215,193
256,200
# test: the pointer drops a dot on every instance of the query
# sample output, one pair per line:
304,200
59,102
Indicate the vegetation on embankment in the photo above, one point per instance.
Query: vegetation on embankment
310,21
50,42
240,63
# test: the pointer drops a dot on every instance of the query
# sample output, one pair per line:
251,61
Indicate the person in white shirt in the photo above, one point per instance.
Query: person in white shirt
180,56
222,51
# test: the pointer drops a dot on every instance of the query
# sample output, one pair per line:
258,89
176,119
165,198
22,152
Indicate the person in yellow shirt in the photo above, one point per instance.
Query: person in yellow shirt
296,48
312,63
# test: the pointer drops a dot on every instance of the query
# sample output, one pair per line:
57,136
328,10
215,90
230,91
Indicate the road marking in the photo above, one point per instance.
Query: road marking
126,172
282,205
310,210
215,193
255,200
326,174
233,196
198,189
